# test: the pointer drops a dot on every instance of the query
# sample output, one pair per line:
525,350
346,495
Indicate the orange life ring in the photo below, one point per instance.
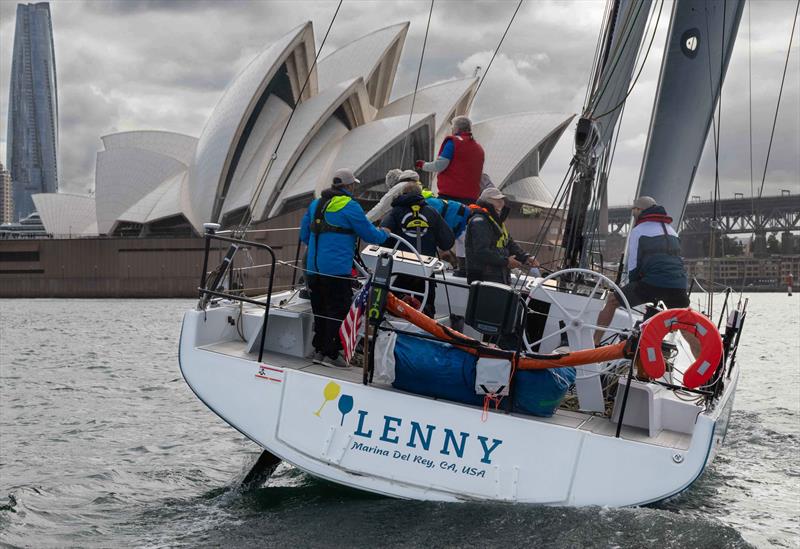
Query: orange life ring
690,322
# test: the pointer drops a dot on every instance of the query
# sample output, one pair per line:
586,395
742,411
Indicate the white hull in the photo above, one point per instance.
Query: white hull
379,444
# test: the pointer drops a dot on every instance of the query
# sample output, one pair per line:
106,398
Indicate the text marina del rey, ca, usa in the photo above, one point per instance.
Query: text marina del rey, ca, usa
430,438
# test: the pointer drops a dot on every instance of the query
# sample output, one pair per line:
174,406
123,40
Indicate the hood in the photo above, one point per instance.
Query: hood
408,200
330,192
654,213
489,208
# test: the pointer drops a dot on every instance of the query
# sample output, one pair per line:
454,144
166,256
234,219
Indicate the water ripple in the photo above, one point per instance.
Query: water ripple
104,445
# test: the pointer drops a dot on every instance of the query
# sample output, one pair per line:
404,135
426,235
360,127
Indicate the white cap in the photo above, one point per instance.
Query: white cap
491,193
343,176
644,202
407,175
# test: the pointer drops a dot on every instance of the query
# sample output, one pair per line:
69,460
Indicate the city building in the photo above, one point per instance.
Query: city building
6,196
160,183
32,141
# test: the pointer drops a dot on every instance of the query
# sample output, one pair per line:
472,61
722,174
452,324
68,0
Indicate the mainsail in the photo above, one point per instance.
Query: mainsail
692,72
613,71
609,85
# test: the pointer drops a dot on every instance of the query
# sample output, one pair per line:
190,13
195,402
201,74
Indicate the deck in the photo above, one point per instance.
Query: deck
566,418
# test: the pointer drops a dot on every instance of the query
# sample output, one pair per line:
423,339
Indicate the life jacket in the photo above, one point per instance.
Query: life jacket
460,208
503,236
671,246
462,177
320,225
657,251
657,217
414,221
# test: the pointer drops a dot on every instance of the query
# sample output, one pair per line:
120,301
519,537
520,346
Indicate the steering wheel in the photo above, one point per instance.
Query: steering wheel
575,324
422,296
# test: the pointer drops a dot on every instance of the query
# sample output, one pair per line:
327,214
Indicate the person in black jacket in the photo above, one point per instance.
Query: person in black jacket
421,225
491,252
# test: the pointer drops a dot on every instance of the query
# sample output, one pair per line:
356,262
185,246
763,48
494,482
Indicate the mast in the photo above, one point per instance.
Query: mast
699,45
621,41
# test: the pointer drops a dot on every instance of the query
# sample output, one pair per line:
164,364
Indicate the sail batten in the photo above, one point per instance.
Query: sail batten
699,46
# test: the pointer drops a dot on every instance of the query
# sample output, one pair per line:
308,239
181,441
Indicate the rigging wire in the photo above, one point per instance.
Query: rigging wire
715,201
750,101
597,53
416,84
555,206
778,105
641,67
592,229
608,159
617,54
248,216
715,135
497,49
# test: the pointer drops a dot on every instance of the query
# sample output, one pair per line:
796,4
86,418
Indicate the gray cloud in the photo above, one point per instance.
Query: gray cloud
125,65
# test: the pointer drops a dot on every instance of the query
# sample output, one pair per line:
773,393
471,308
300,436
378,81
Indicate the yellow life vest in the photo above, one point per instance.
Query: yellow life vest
502,241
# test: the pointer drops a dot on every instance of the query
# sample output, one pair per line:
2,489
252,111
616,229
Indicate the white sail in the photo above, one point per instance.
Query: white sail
697,56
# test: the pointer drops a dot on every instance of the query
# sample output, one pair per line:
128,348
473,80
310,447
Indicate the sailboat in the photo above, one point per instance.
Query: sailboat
642,416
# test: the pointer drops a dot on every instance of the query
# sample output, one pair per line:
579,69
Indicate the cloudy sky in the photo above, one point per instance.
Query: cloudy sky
148,64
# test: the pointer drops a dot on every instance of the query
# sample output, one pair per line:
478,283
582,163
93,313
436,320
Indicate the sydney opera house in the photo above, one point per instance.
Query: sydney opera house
153,183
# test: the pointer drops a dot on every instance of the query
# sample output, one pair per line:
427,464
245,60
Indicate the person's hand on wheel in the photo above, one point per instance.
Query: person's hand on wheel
531,262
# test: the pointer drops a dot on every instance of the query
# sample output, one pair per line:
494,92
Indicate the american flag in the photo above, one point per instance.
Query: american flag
353,325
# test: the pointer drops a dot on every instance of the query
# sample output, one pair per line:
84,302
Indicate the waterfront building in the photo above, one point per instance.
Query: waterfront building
160,183
6,196
32,139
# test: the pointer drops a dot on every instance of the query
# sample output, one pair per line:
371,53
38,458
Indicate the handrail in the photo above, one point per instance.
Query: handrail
226,263
275,230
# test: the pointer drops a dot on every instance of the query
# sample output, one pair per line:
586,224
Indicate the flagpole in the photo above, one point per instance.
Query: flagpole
367,331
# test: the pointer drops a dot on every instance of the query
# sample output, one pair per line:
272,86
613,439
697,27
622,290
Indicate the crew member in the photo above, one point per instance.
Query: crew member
491,252
655,268
329,228
393,190
455,214
420,224
459,165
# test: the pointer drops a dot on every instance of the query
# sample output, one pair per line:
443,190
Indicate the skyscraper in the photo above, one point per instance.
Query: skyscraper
6,196
32,143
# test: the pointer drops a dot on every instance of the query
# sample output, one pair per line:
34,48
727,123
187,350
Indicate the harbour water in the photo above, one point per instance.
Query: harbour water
102,444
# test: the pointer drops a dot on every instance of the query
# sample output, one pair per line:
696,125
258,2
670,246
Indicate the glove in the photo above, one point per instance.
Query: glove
418,164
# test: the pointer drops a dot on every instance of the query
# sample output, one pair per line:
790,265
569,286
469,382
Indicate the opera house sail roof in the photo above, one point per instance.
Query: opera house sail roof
280,130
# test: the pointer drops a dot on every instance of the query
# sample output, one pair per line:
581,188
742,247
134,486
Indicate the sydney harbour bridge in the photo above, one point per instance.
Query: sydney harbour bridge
740,215
761,268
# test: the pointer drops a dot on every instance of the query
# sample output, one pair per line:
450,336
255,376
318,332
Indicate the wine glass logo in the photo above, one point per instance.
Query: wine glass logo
345,406
330,392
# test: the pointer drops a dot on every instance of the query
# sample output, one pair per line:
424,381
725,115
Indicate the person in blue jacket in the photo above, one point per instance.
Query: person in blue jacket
329,229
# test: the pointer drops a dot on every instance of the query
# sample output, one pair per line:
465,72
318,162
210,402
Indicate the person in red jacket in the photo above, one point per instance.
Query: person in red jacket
459,165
